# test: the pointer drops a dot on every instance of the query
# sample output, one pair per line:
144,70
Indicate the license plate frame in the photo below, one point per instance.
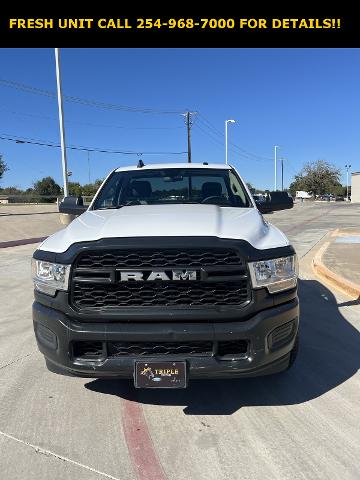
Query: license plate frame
160,374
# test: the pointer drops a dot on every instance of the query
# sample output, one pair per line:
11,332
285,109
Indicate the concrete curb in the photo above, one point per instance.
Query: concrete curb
345,286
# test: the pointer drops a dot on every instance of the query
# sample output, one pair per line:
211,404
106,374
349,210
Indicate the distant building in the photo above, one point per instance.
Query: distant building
4,199
355,187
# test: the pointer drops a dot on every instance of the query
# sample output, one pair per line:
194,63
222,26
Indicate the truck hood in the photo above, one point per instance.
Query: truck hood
168,221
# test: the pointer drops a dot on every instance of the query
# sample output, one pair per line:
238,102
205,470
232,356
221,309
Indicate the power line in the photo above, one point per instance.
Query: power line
206,123
24,140
48,117
221,144
220,134
89,102
291,167
218,142
83,101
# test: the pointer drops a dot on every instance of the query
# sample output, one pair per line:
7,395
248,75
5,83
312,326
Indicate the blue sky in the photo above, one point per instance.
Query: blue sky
306,100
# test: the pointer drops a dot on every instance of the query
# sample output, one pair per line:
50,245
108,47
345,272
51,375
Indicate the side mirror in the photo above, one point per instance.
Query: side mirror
276,201
72,205
264,206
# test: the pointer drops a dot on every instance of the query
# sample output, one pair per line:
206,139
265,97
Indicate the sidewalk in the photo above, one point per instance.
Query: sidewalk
338,260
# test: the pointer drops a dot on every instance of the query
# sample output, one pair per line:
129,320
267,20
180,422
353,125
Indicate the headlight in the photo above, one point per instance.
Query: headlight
276,275
49,277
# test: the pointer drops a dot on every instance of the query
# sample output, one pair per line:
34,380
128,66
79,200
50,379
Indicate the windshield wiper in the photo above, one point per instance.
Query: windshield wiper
131,203
112,207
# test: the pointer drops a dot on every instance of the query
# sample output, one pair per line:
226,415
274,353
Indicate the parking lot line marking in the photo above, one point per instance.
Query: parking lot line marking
16,360
313,246
305,222
60,457
24,241
139,443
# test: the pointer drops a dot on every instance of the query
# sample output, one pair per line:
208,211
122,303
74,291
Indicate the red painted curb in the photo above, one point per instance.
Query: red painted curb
139,443
24,241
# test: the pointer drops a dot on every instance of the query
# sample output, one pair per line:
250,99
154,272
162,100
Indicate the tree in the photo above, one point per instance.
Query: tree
253,189
3,167
47,187
90,189
16,195
337,190
296,185
11,191
250,187
317,177
75,189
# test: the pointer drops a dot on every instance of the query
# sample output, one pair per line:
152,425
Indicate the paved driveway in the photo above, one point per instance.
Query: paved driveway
299,425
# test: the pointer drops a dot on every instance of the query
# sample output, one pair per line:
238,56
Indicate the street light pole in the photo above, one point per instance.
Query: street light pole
347,181
275,166
226,139
61,123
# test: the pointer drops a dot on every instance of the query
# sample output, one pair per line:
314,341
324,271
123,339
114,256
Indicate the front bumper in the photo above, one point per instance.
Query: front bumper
262,357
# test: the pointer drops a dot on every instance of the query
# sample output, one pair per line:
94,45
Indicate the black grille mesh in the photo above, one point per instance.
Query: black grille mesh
129,294
232,347
121,349
90,350
96,286
158,258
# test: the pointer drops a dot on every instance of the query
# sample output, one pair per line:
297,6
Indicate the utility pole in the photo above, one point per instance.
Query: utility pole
189,124
282,174
88,159
61,123
275,165
347,181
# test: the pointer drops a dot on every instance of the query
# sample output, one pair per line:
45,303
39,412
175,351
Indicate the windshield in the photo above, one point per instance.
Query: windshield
173,186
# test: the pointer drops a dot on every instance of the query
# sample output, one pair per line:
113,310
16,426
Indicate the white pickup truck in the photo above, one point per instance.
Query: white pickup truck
170,274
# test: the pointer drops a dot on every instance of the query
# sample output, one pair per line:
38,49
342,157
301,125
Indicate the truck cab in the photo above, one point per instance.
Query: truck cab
171,273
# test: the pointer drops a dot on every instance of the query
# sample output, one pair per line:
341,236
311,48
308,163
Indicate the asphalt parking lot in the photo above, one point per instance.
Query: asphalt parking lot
298,425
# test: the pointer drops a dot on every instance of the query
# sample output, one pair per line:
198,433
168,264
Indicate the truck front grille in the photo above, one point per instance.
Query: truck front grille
194,257
124,349
159,294
92,350
96,284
